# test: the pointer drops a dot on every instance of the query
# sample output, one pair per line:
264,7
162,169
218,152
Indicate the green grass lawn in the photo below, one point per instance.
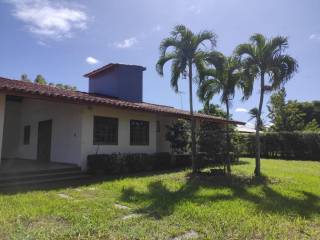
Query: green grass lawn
286,205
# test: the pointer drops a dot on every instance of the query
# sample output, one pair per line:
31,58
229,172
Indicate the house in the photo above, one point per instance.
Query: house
242,129
48,124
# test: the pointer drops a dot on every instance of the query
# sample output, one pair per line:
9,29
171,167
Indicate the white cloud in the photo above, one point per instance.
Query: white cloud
127,43
49,19
314,36
92,60
194,9
241,110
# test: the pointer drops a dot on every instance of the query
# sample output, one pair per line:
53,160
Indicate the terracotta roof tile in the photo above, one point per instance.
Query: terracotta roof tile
16,87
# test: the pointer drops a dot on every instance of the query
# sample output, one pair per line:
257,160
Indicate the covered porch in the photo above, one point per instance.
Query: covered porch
37,134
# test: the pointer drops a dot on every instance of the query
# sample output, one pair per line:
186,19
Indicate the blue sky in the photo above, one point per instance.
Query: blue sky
62,40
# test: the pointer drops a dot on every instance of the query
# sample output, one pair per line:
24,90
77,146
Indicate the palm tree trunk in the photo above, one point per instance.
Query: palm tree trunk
228,141
193,135
258,125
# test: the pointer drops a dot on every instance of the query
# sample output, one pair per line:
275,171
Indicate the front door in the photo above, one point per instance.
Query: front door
44,141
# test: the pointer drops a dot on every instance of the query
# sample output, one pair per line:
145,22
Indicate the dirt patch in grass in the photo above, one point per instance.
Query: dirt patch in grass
49,222
188,235
119,206
131,216
3,236
64,196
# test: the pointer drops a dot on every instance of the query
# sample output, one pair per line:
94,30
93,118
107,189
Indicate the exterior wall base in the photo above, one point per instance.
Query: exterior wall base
2,115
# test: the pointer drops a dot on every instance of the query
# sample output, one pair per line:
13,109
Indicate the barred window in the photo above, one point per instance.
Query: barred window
139,132
105,131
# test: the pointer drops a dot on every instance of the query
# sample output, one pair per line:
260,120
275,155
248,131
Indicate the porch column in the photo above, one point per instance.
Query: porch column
2,113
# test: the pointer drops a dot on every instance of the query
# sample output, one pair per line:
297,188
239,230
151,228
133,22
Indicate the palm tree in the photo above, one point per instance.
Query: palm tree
254,115
186,55
221,78
262,58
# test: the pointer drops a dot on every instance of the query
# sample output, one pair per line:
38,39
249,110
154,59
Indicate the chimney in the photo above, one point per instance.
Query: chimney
117,80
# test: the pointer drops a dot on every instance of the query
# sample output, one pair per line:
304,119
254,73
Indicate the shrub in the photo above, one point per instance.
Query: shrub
213,142
285,145
162,161
178,134
111,164
182,160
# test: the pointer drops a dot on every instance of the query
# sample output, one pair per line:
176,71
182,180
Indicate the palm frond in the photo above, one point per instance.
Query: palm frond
208,89
278,44
163,60
245,49
167,43
217,59
203,36
254,112
259,40
175,75
200,64
282,69
179,30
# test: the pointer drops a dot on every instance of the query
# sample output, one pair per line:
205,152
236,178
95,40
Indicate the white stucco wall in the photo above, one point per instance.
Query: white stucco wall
2,115
72,130
124,117
66,129
162,144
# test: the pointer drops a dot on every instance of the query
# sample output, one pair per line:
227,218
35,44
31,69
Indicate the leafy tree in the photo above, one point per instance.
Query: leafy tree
276,109
24,77
222,77
186,56
312,126
63,86
178,134
311,110
263,58
40,80
213,109
294,117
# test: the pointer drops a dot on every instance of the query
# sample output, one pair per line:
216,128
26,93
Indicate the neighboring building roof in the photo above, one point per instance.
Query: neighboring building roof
245,129
109,67
32,90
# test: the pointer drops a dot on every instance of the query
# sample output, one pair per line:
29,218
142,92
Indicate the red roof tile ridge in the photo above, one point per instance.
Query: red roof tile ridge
20,87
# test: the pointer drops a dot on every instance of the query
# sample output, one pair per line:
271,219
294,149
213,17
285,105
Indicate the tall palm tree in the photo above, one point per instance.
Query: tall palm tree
262,58
186,55
222,77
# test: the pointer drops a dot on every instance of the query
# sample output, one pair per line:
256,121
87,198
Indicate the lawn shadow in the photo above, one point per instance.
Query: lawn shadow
91,180
161,201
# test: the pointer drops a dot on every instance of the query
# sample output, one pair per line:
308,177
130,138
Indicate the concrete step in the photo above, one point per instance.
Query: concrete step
37,172
42,181
38,176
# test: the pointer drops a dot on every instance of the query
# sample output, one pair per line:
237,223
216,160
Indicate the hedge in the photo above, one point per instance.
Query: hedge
112,164
285,145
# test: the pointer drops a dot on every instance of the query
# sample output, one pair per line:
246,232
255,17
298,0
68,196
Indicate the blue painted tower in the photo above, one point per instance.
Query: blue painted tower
121,81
